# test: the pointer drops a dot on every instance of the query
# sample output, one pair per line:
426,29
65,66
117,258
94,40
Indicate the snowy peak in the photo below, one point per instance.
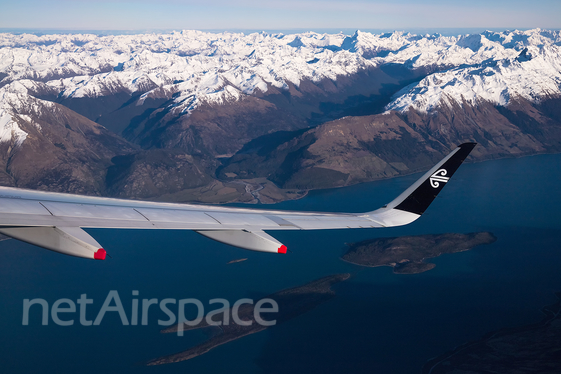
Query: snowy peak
17,106
534,72
10,132
217,68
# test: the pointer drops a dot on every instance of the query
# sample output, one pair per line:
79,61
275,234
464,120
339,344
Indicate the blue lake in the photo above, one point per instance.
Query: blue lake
379,322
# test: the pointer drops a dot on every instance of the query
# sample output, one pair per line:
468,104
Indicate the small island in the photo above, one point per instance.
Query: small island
292,302
236,261
407,254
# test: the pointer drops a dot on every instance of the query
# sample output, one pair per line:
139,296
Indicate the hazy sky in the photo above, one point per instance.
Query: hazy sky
278,14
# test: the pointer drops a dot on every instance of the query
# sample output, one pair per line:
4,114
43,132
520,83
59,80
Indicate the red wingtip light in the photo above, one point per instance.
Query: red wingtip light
282,249
100,254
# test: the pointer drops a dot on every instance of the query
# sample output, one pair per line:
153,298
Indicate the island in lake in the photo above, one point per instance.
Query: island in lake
291,302
407,254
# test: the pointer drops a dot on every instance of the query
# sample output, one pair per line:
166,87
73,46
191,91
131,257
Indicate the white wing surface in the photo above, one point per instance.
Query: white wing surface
54,220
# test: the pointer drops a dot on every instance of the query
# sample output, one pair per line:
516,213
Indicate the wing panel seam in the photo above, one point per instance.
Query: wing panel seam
46,209
213,218
142,215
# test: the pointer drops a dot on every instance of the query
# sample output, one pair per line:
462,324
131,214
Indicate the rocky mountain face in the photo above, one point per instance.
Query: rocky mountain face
46,146
146,116
152,173
358,149
224,124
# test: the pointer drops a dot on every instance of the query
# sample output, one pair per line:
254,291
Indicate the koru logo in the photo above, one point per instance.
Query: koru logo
439,176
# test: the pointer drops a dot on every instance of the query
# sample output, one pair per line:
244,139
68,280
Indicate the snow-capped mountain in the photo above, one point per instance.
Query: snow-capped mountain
214,68
211,95
210,67
44,145
533,73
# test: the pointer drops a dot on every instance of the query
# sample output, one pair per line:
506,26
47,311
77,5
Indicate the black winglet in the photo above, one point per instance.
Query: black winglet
427,188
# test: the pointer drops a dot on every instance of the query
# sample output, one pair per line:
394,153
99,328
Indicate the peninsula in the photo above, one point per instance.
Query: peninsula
292,302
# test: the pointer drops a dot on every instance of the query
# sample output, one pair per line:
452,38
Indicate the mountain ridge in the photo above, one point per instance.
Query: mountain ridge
230,107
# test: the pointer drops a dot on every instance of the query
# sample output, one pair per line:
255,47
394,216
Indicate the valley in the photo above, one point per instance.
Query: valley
216,118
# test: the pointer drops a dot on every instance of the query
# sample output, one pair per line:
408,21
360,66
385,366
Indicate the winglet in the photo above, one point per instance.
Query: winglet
424,193
413,202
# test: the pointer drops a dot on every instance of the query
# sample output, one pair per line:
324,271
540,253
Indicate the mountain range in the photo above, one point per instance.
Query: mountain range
196,116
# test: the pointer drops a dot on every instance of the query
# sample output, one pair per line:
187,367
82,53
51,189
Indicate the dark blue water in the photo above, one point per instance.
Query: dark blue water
379,322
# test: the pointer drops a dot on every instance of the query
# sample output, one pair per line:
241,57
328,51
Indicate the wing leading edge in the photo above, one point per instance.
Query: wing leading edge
54,220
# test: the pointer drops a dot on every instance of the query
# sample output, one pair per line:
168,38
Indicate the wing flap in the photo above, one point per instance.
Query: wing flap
20,206
318,222
243,219
59,209
176,215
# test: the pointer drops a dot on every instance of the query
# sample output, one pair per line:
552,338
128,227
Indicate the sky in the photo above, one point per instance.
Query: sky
278,14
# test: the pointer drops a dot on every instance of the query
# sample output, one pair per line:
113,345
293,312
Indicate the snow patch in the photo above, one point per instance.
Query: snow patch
9,129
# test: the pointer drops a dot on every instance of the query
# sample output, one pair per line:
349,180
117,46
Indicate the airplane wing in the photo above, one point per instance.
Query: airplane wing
54,221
